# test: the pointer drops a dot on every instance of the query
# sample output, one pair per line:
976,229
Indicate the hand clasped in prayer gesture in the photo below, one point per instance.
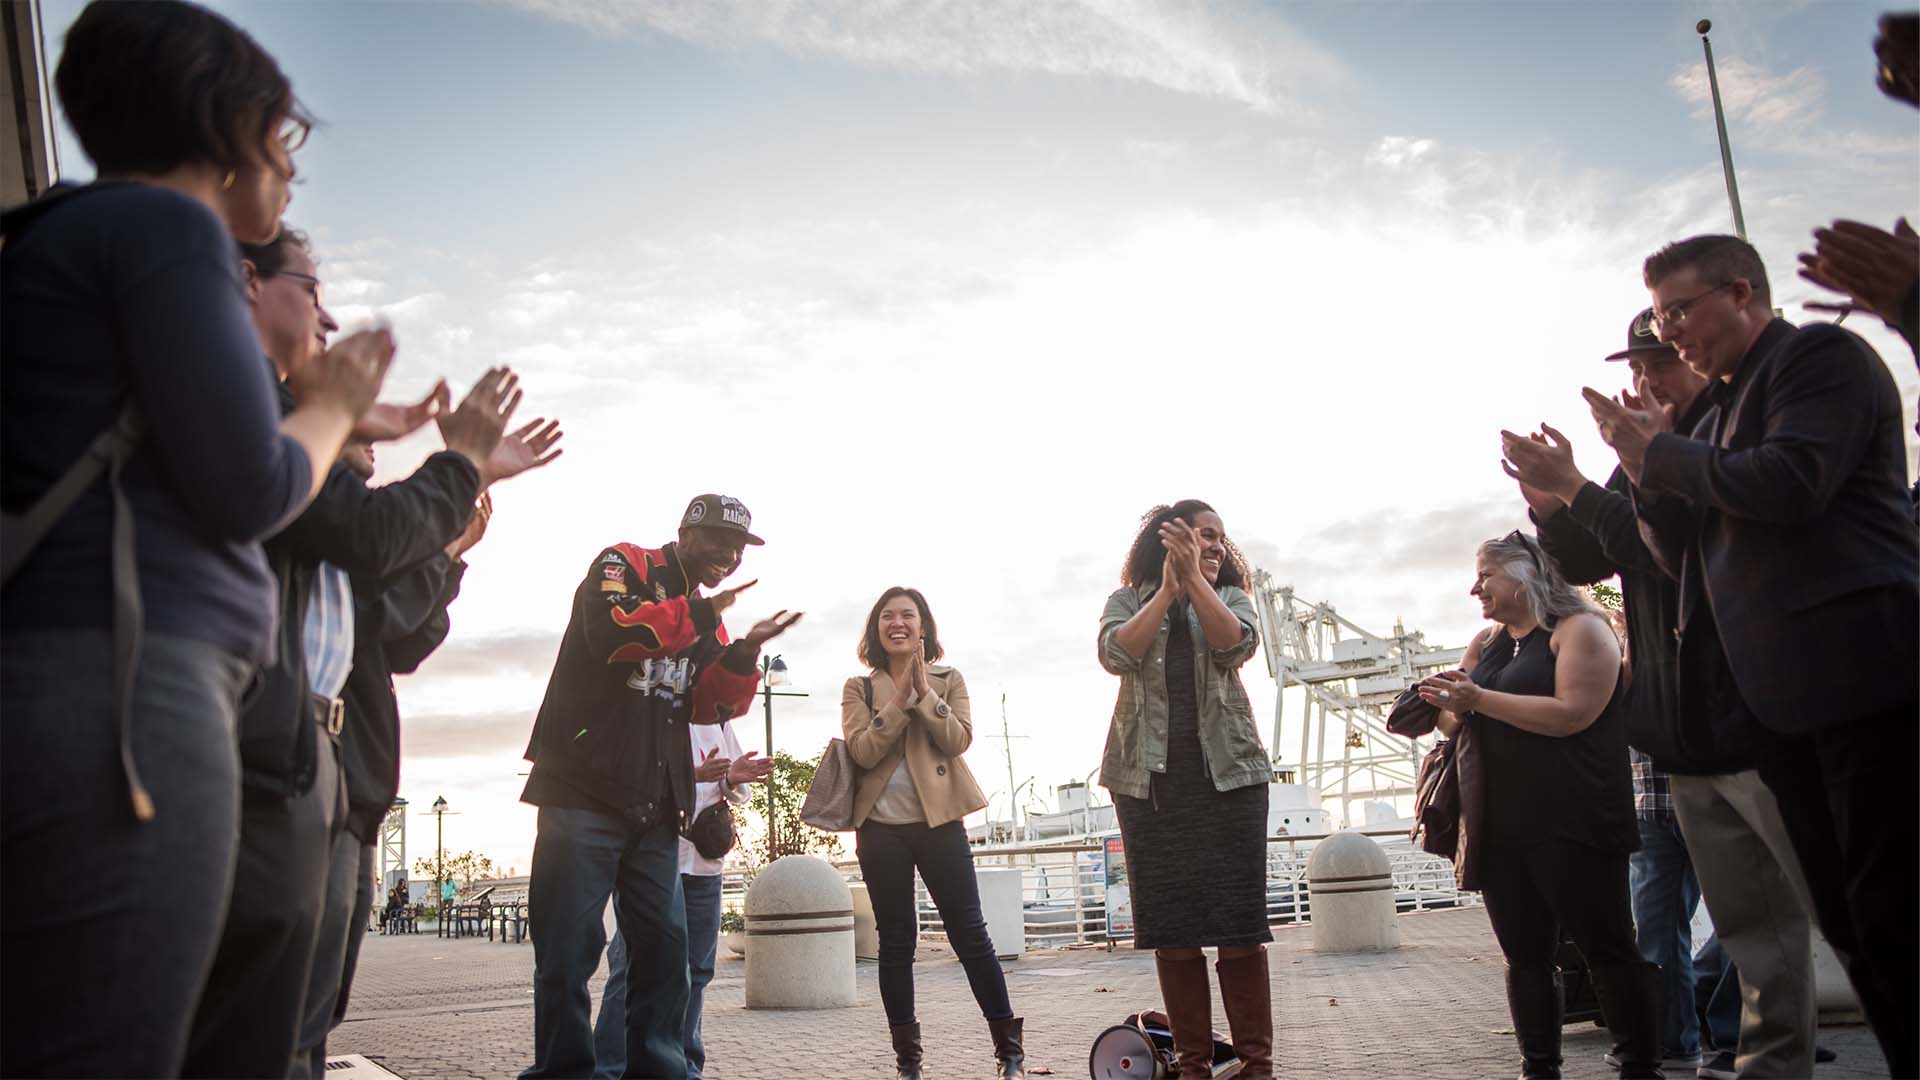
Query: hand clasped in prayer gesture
918,685
1628,424
1450,691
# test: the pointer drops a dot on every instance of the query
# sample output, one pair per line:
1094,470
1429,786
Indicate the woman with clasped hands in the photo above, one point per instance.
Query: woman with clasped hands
1189,778
907,725
1542,743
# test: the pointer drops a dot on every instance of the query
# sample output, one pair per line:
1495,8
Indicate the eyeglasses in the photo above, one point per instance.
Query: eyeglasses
293,134
1526,543
1677,314
314,288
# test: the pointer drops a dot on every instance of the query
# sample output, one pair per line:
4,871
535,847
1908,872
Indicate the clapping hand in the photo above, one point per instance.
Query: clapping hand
530,447
712,767
1450,691
1543,464
385,423
474,429
1182,564
749,768
769,628
918,686
1628,424
1875,268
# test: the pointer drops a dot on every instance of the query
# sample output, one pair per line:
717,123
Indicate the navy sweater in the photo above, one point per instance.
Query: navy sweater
133,290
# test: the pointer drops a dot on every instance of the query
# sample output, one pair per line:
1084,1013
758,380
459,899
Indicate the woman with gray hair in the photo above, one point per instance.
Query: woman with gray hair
1548,806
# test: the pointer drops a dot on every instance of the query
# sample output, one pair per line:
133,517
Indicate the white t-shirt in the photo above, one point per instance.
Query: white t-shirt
709,739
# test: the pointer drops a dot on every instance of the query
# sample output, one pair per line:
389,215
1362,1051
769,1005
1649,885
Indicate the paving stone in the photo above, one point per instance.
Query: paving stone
427,1008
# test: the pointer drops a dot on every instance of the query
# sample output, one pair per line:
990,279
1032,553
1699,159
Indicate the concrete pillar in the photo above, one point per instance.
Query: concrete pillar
1350,883
800,936
1002,905
866,933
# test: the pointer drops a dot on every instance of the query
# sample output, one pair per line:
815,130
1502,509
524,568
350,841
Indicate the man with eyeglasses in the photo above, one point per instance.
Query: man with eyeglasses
1785,520
1703,811
283,944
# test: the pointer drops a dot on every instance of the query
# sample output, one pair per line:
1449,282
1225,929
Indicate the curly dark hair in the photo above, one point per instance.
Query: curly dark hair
1146,556
154,85
874,654
270,258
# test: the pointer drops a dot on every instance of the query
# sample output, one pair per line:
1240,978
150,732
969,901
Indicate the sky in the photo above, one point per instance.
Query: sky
950,293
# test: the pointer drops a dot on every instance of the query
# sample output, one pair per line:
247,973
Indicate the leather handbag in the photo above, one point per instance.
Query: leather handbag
1436,802
829,802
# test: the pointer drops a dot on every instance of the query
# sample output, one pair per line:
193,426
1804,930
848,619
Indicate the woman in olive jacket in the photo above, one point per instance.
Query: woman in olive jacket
907,725
1189,779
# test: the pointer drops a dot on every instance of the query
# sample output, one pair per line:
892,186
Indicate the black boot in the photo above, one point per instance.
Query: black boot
906,1050
1633,998
1008,1055
1533,998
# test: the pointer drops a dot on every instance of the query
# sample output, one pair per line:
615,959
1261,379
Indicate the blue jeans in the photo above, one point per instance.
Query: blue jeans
1717,997
1665,896
703,939
111,924
580,858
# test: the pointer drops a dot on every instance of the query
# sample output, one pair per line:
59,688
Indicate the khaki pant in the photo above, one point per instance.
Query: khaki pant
1751,881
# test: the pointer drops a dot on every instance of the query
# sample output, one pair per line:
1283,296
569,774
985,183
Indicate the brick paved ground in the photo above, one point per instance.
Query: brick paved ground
430,1009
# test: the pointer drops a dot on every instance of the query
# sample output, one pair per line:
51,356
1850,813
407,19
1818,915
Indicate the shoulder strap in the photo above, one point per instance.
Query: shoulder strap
866,687
20,534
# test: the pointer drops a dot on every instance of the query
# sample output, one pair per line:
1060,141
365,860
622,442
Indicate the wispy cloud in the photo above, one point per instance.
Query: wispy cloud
1241,54
1783,112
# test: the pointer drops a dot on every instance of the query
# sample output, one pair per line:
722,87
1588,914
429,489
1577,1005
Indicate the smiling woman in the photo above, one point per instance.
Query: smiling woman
1189,777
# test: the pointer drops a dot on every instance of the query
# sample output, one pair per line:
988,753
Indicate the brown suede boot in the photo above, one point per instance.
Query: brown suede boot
1246,990
1189,1000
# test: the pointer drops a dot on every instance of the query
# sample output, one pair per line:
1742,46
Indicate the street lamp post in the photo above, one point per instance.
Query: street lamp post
439,854
773,672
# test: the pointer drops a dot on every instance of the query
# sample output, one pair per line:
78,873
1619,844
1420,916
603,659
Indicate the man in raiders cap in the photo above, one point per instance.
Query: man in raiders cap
645,654
1708,825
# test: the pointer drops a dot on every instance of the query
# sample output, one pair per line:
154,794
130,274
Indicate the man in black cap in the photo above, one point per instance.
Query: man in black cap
645,654
1691,768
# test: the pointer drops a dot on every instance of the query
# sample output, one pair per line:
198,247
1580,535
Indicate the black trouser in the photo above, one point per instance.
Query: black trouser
356,932
1847,795
889,854
248,1020
1534,893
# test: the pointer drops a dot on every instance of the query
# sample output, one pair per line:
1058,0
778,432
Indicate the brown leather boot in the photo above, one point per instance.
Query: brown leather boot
1189,1000
906,1050
1246,991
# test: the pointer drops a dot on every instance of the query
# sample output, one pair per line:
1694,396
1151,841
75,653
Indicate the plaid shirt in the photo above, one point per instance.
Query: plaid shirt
1652,800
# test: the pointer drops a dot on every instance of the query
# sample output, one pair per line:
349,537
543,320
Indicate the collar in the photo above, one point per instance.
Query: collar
679,582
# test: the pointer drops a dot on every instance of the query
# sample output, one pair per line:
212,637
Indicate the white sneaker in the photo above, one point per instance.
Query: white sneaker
1671,1061
1718,1067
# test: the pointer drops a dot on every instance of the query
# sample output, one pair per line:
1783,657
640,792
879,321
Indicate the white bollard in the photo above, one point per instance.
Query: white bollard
1006,915
1350,885
800,933
866,933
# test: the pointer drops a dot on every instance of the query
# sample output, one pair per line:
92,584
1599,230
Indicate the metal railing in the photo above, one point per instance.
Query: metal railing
1064,891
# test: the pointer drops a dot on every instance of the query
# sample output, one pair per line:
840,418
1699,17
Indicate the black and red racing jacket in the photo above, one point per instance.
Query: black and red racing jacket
642,658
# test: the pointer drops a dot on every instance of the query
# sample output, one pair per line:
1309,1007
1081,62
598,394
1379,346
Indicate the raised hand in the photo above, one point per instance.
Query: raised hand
917,681
1543,463
1876,269
1171,584
749,768
772,627
476,527
474,429
530,447
384,422
348,375
724,599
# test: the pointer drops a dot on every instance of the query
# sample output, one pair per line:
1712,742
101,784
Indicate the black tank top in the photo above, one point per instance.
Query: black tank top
1538,787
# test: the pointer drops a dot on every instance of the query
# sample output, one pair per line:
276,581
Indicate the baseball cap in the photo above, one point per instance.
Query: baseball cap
1641,337
719,512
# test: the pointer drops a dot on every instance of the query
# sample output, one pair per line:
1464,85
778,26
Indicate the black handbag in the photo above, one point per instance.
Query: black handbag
711,830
